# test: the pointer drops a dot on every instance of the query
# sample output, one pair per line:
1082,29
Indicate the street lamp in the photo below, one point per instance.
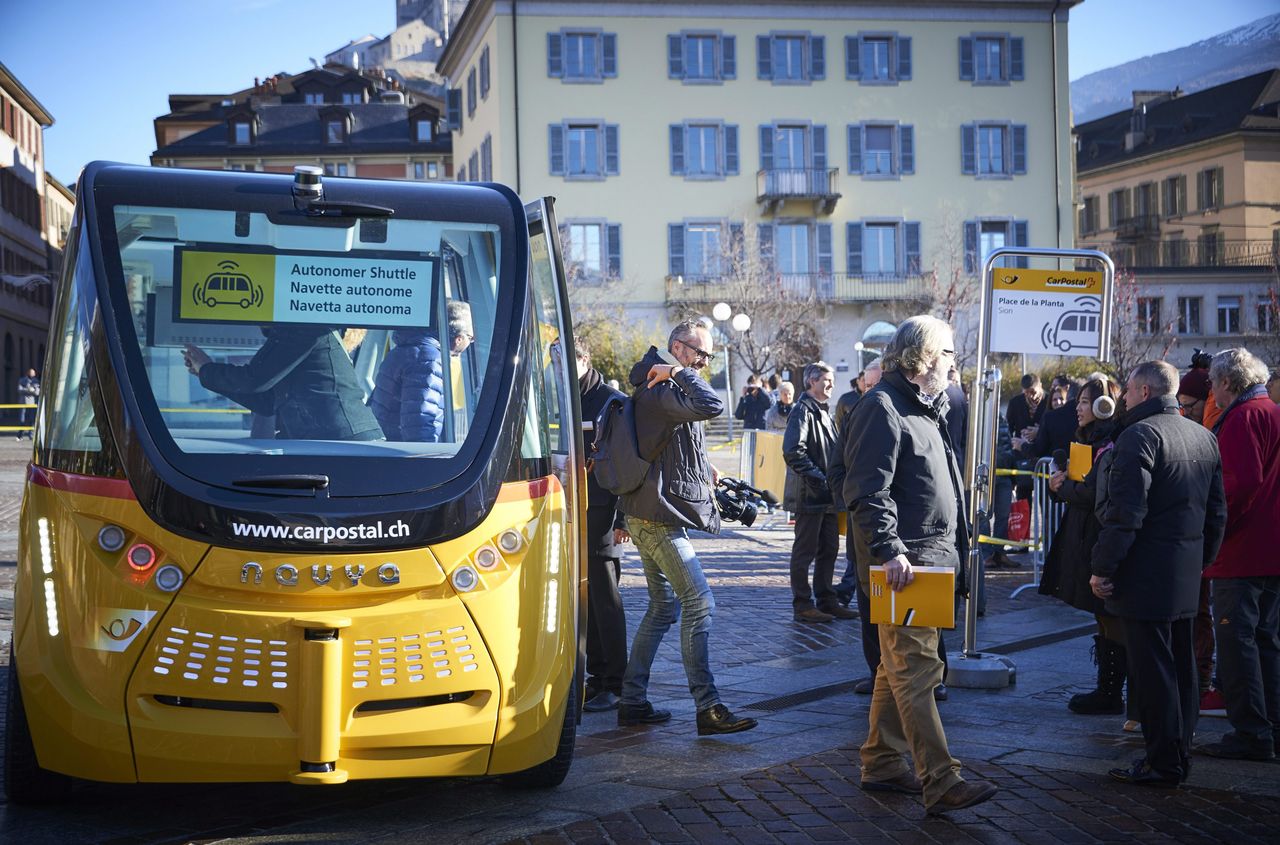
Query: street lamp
740,322
858,347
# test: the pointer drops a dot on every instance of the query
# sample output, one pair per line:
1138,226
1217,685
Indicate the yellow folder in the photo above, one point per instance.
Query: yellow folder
1080,461
927,602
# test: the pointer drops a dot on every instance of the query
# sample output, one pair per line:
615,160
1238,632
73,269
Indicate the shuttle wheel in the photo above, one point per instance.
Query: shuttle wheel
24,781
553,772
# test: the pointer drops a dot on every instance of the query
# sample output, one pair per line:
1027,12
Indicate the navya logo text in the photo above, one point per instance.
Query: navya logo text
322,533
287,575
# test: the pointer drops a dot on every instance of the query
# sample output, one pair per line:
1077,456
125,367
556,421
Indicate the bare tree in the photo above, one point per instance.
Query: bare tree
788,313
1264,341
1138,333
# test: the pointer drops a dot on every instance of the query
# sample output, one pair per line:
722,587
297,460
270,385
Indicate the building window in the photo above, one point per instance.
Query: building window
879,249
462,173
877,58
486,159
1188,315
1089,222
453,106
1149,315
584,149
884,248
1118,206
335,131
243,134
991,59
484,72
993,149
471,93
698,250
1228,315
790,58
352,98
881,149
422,131
313,99
1144,201
594,250
419,170
699,57
1211,244
433,170
1173,192
981,237
335,168
582,56
1209,189
786,146
1268,315
704,150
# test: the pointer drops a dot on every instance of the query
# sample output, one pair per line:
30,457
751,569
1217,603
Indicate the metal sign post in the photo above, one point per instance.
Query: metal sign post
1036,312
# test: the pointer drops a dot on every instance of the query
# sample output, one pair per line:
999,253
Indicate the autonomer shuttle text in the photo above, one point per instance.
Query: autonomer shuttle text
322,533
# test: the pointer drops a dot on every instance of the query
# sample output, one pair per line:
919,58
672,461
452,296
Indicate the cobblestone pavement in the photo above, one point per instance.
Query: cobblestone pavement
793,779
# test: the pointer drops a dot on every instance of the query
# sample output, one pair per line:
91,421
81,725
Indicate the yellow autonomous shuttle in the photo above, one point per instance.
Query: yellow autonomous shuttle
258,584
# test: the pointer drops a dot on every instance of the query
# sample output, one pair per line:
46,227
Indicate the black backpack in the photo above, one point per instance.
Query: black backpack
615,457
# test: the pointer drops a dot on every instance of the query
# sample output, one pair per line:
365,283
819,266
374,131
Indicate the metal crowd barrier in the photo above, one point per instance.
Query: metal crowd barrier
20,407
1045,516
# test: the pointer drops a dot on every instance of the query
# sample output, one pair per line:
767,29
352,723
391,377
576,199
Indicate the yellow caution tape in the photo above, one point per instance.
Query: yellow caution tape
996,541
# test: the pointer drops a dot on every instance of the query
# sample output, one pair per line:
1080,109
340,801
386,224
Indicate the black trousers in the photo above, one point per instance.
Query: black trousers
1162,667
606,625
817,543
1247,620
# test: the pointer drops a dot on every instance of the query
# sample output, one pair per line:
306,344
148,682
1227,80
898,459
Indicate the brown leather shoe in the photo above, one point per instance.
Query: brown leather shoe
840,612
812,614
963,794
905,783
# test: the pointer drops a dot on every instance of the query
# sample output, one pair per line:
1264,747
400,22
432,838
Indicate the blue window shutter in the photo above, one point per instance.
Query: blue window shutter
971,246
737,246
968,153
818,57
675,249
852,45
1015,59
766,147
611,149
609,57
911,236
731,149
906,149
484,73
455,108
764,57
462,173
675,57
555,54
471,93
855,148
904,58
729,57
819,148
613,235
853,233
1019,148
556,145
824,249
1020,233
677,149
764,237
966,59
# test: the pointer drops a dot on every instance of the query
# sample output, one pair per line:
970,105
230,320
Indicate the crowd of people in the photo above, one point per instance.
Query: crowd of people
1170,522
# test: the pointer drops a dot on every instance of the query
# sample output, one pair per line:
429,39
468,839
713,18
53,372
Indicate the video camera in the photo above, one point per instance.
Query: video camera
1200,360
738,501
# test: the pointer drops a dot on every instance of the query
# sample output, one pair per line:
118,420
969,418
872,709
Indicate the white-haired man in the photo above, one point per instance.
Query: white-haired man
903,489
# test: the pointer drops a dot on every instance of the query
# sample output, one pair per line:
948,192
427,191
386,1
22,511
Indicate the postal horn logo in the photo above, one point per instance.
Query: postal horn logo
227,287
1009,278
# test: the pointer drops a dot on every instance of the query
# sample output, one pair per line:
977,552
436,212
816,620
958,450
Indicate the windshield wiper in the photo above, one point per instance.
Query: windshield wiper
285,482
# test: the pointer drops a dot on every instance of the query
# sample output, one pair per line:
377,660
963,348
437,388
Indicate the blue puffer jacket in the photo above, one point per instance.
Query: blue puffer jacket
408,395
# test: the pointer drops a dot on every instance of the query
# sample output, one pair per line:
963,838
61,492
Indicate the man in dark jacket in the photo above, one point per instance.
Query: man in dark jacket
807,446
866,380
754,403
905,494
1246,574
671,402
1163,516
1027,408
606,620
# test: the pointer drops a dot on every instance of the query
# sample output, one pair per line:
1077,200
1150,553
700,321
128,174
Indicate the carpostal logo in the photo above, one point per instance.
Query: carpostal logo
322,533
1078,282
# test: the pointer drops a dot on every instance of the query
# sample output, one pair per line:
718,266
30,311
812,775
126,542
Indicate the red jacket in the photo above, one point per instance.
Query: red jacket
1249,439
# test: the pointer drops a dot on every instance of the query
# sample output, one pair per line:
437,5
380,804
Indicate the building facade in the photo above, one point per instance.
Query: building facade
26,253
1184,193
351,123
859,150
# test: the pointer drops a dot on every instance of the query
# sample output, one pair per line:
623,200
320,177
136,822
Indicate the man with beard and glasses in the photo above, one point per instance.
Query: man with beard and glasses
903,489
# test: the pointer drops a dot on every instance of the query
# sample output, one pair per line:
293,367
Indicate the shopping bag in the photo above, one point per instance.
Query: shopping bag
1020,520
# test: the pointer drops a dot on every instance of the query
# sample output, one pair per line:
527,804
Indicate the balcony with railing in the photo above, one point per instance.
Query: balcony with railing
1181,254
821,186
826,288
1138,226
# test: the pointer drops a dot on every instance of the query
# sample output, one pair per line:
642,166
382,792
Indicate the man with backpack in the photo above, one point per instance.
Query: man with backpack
671,401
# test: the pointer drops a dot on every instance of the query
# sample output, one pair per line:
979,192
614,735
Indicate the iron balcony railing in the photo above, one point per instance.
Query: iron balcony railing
831,288
1138,226
797,184
1188,254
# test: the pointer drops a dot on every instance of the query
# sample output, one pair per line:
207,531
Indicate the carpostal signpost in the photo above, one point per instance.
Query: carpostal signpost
1064,311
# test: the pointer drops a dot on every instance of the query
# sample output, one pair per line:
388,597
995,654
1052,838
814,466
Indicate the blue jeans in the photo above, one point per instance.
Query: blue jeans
677,588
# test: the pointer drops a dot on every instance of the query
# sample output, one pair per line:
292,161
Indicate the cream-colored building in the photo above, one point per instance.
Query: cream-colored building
1184,192
858,146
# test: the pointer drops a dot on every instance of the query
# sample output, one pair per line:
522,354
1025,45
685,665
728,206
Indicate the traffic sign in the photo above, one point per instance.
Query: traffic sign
1046,312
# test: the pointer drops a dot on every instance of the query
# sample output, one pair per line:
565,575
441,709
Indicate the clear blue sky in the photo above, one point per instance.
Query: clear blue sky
105,68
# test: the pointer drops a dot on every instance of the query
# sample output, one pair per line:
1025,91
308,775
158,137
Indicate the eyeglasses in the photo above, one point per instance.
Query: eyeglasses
704,354
950,352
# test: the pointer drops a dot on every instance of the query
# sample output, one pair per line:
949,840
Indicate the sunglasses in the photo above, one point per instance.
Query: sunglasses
706,356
